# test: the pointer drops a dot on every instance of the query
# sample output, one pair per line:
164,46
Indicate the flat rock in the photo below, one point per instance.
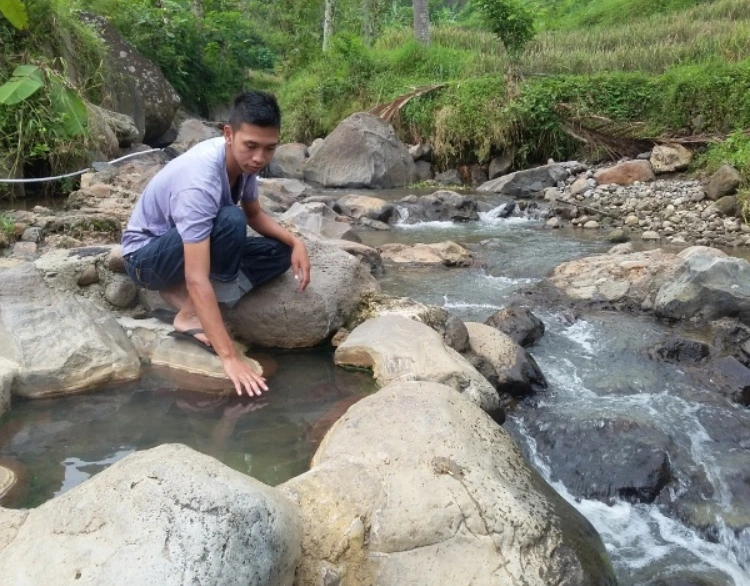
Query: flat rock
187,357
363,206
167,516
399,349
626,173
448,254
441,206
418,486
526,183
519,323
317,220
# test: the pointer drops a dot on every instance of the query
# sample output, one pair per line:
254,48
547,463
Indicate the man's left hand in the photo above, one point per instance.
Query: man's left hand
300,264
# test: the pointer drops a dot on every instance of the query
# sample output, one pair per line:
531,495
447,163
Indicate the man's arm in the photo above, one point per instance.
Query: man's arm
264,225
197,267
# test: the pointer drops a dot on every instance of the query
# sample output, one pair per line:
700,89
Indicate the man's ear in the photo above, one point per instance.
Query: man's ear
228,133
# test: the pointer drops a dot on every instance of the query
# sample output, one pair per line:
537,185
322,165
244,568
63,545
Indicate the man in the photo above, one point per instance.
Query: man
187,237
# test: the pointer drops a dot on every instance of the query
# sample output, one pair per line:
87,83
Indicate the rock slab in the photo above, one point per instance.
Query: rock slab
526,183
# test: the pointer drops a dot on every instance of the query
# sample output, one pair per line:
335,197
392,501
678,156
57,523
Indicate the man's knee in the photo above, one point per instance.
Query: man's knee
230,222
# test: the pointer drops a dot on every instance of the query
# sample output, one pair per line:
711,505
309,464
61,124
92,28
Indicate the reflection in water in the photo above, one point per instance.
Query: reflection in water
62,442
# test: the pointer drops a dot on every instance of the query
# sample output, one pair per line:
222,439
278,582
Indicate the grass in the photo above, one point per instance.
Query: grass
7,226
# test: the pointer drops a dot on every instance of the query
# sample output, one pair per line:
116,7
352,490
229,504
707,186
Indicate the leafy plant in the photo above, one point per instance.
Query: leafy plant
7,225
15,12
510,20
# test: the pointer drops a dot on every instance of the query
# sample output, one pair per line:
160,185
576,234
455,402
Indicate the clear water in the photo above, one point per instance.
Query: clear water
60,443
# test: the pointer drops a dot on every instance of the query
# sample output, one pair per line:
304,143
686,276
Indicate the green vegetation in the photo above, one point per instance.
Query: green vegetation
7,226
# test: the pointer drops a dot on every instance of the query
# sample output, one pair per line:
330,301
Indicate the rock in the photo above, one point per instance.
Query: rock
25,250
289,161
277,315
448,254
423,171
527,183
553,223
500,165
65,344
114,261
102,141
368,256
189,358
632,220
164,516
32,234
726,205
399,349
626,173
579,186
618,236
730,377
89,276
603,456
8,372
375,225
591,225
278,195
668,158
315,146
449,178
420,487
441,206
420,151
133,85
477,174
516,371
123,127
8,481
682,350
120,291
650,235
362,206
708,287
518,323
191,132
363,151
317,220
724,182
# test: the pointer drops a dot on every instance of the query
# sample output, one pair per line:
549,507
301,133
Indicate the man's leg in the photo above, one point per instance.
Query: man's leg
264,258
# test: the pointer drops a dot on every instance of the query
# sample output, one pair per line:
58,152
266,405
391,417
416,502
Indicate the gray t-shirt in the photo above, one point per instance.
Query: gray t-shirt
187,194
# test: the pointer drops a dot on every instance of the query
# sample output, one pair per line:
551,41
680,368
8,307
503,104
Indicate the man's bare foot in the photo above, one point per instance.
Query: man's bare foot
184,321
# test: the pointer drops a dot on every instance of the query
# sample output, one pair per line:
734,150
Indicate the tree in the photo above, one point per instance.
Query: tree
509,20
422,21
328,23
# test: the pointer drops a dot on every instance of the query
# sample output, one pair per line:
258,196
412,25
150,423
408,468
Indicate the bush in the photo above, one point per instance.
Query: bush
510,20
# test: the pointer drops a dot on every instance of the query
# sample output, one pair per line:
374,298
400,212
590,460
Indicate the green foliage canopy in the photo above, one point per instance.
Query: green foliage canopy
510,20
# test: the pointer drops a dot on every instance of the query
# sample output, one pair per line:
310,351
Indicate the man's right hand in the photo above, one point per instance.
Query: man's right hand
243,377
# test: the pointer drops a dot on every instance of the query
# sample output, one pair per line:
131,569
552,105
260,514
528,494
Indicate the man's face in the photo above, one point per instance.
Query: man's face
251,147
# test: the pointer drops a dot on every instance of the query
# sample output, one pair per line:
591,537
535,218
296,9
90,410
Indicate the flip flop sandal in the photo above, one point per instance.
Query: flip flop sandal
163,314
189,336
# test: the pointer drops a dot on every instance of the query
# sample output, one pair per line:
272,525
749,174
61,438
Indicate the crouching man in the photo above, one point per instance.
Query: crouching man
187,235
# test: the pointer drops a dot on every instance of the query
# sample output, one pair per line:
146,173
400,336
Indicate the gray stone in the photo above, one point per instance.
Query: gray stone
522,326
591,225
500,165
399,349
167,516
553,223
289,161
363,206
440,206
527,183
115,262
32,234
668,158
277,315
363,151
419,487
730,377
420,151
375,225
123,126
120,291
89,276
191,132
317,220
451,177
315,146
367,255
423,171
579,186
89,347
448,254
8,372
724,182
726,205
650,235
618,236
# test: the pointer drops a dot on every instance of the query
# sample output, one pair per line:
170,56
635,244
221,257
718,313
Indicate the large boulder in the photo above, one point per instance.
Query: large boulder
289,161
317,220
522,326
668,158
515,371
277,315
527,183
397,348
448,254
441,206
417,486
167,516
363,206
626,173
62,343
724,182
363,151
706,286
133,85
191,132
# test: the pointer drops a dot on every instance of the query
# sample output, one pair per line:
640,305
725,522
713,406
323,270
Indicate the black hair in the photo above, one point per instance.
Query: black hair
255,108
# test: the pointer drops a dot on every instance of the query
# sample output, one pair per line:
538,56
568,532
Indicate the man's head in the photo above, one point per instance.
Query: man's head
252,133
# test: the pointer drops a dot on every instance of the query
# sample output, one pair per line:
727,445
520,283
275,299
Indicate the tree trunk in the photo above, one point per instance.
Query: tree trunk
366,10
198,8
328,24
421,21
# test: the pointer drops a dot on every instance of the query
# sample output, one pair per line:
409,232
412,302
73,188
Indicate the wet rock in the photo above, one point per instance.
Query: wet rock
518,323
317,220
603,456
89,348
397,349
500,165
591,225
154,518
626,173
362,206
693,578
449,178
191,132
618,236
516,371
277,315
120,291
668,158
444,485
682,350
554,223
369,256
363,151
730,377
289,161
527,183
441,206
375,225
724,182
89,276
448,254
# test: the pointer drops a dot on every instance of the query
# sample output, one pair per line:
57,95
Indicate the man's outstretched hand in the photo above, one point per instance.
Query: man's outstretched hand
300,264
242,376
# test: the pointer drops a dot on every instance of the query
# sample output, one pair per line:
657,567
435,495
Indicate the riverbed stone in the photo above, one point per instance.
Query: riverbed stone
277,315
516,373
363,206
420,487
63,343
526,183
289,161
8,372
400,349
441,206
726,205
519,323
724,182
626,173
682,350
120,291
317,220
167,516
668,158
191,132
730,377
706,286
89,276
367,255
363,151
448,254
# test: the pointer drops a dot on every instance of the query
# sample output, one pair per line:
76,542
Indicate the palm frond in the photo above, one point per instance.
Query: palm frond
390,110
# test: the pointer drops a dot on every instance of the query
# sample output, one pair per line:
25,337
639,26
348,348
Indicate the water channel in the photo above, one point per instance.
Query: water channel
597,368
